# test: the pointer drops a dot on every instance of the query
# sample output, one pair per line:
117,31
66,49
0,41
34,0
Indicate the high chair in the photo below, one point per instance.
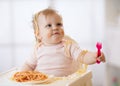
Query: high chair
85,79
82,77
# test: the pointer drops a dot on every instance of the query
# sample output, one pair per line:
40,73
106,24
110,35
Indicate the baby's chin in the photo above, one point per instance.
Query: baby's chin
57,38
56,41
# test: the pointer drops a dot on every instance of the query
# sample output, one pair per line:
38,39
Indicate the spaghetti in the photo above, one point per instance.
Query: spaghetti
25,76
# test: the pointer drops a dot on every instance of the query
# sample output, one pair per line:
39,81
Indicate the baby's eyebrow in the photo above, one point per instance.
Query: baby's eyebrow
59,22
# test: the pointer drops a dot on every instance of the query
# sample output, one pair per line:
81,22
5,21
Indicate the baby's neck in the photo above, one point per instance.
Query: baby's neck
51,44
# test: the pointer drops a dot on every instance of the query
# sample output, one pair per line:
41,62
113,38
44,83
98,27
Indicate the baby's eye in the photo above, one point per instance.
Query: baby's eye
48,25
59,24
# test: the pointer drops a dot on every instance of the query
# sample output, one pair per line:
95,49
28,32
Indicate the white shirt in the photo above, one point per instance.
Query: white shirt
53,60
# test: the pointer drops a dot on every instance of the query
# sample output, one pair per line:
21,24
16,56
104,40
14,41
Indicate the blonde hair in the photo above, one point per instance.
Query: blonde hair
44,12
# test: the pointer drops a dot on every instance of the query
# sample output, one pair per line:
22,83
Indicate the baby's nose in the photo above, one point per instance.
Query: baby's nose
55,27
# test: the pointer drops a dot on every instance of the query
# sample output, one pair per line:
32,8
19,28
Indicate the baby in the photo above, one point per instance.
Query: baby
56,54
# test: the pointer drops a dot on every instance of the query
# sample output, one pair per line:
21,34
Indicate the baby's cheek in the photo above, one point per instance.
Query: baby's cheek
62,31
48,35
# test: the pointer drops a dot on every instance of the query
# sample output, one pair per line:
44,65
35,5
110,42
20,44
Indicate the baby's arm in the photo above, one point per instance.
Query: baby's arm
91,57
29,64
84,56
27,67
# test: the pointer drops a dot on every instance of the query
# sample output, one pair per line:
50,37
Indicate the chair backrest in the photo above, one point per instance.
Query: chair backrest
82,67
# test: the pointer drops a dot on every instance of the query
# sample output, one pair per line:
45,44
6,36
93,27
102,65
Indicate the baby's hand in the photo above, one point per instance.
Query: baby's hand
101,57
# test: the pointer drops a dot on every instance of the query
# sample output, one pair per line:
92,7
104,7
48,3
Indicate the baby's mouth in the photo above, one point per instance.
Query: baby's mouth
56,33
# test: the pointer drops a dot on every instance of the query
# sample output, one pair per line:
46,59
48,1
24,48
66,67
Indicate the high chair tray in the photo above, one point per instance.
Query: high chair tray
75,80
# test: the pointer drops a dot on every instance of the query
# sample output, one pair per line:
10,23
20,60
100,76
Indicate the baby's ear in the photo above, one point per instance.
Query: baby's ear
37,35
36,32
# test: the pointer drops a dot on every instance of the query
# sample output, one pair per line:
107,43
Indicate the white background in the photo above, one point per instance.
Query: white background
84,20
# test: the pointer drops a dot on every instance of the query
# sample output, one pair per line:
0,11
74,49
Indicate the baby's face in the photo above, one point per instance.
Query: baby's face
51,29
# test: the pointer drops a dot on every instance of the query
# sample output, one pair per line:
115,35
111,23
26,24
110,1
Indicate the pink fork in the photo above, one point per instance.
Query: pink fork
98,46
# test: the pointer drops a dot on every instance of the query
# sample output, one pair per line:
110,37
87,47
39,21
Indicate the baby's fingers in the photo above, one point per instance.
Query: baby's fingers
102,57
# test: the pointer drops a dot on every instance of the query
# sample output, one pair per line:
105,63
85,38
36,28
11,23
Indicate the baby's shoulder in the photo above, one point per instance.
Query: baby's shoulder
70,45
69,40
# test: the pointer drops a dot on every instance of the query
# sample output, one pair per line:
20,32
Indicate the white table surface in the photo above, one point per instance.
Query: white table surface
75,80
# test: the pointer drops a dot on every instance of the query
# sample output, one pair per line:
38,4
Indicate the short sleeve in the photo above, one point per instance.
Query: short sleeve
75,51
